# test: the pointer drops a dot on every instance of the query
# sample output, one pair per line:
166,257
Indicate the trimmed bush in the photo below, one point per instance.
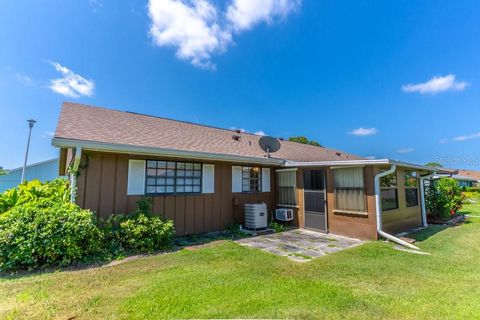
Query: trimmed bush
444,198
47,234
138,232
39,228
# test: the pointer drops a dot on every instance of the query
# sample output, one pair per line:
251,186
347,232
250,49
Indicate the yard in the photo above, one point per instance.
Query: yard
226,280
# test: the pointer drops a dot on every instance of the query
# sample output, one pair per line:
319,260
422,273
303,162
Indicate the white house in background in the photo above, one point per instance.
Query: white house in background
43,171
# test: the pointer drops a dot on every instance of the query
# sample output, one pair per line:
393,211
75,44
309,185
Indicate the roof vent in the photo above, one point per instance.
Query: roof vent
281,139
338,154
236,137
238,131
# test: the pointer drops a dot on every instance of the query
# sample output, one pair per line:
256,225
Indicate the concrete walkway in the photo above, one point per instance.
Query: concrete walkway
300,244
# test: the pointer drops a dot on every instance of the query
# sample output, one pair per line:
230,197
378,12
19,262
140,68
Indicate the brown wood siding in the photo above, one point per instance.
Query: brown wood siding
102,187
353,225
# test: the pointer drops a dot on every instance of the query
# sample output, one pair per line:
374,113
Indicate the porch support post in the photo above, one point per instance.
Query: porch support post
422,202
74,173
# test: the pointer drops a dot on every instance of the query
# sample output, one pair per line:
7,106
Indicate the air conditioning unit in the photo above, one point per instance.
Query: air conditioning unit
284,214
256,216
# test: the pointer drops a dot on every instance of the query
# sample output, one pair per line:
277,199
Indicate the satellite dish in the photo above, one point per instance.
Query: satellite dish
269,144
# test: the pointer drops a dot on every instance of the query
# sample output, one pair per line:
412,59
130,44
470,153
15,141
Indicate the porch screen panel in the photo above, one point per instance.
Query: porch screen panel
286,188
349,189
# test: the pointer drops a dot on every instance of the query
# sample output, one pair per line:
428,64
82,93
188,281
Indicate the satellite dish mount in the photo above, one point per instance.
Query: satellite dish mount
269,145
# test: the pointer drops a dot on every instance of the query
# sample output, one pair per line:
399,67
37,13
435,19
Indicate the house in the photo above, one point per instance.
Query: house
464,178
43,171
468,178
201,176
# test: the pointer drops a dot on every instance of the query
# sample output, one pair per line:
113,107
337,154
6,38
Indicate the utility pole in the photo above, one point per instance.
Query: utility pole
31,122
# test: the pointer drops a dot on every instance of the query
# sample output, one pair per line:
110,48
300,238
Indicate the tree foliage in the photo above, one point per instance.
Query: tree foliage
305,140
444,198
434,164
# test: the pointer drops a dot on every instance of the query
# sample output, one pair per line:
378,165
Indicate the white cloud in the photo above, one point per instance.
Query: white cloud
364,132
95,5
191,27
467,137
475,135
405,150
244,14
71,85
436,85
197,29
23,78
48,134
260,133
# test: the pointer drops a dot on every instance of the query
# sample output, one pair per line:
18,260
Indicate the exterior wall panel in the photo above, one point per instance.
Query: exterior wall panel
102,187
353,225
403,218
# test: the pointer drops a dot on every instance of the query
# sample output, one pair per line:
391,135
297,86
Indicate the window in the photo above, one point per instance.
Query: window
165,177
286,188
349,189
411,189
251,179
388,191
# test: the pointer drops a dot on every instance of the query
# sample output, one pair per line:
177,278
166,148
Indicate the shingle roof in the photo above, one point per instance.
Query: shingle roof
470,174
94,124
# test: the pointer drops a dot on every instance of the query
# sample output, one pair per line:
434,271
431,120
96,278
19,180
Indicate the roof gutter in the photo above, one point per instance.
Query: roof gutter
361,162
129,149
378,209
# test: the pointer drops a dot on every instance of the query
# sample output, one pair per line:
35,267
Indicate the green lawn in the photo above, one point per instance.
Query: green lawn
472,205
226,280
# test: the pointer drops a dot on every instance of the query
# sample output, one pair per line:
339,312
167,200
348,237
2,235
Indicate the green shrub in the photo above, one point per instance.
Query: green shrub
444,198
473,189
31,192
47,234
137,232
146,234
277,226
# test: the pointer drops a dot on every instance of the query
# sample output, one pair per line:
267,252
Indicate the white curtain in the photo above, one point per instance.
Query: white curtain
349,189
286,186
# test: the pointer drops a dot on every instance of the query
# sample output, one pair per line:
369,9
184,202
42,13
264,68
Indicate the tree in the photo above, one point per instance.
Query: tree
305,140
434,164
2,171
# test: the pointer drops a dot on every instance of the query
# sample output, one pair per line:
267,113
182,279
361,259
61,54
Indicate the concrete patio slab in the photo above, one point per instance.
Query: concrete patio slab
300,245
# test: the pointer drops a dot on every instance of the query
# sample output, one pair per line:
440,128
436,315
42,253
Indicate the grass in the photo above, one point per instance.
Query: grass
372,281
472,205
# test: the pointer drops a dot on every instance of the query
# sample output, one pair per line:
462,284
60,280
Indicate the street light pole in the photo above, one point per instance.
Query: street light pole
31,122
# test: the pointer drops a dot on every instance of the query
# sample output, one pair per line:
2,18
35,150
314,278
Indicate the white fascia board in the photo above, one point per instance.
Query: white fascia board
351,163
339,163
128,149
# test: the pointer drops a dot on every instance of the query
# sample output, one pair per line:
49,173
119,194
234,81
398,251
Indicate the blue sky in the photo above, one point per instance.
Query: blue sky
396,79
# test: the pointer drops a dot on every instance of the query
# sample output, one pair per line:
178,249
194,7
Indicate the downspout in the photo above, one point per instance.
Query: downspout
74,173
422,197
378,210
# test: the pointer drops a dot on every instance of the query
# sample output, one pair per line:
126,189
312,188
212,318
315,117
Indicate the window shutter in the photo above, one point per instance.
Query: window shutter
136,177
208,178
236,179
265,179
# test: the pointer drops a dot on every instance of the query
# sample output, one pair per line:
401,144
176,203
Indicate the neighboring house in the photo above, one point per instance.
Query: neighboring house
43,171
470,175
201,176
464,178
